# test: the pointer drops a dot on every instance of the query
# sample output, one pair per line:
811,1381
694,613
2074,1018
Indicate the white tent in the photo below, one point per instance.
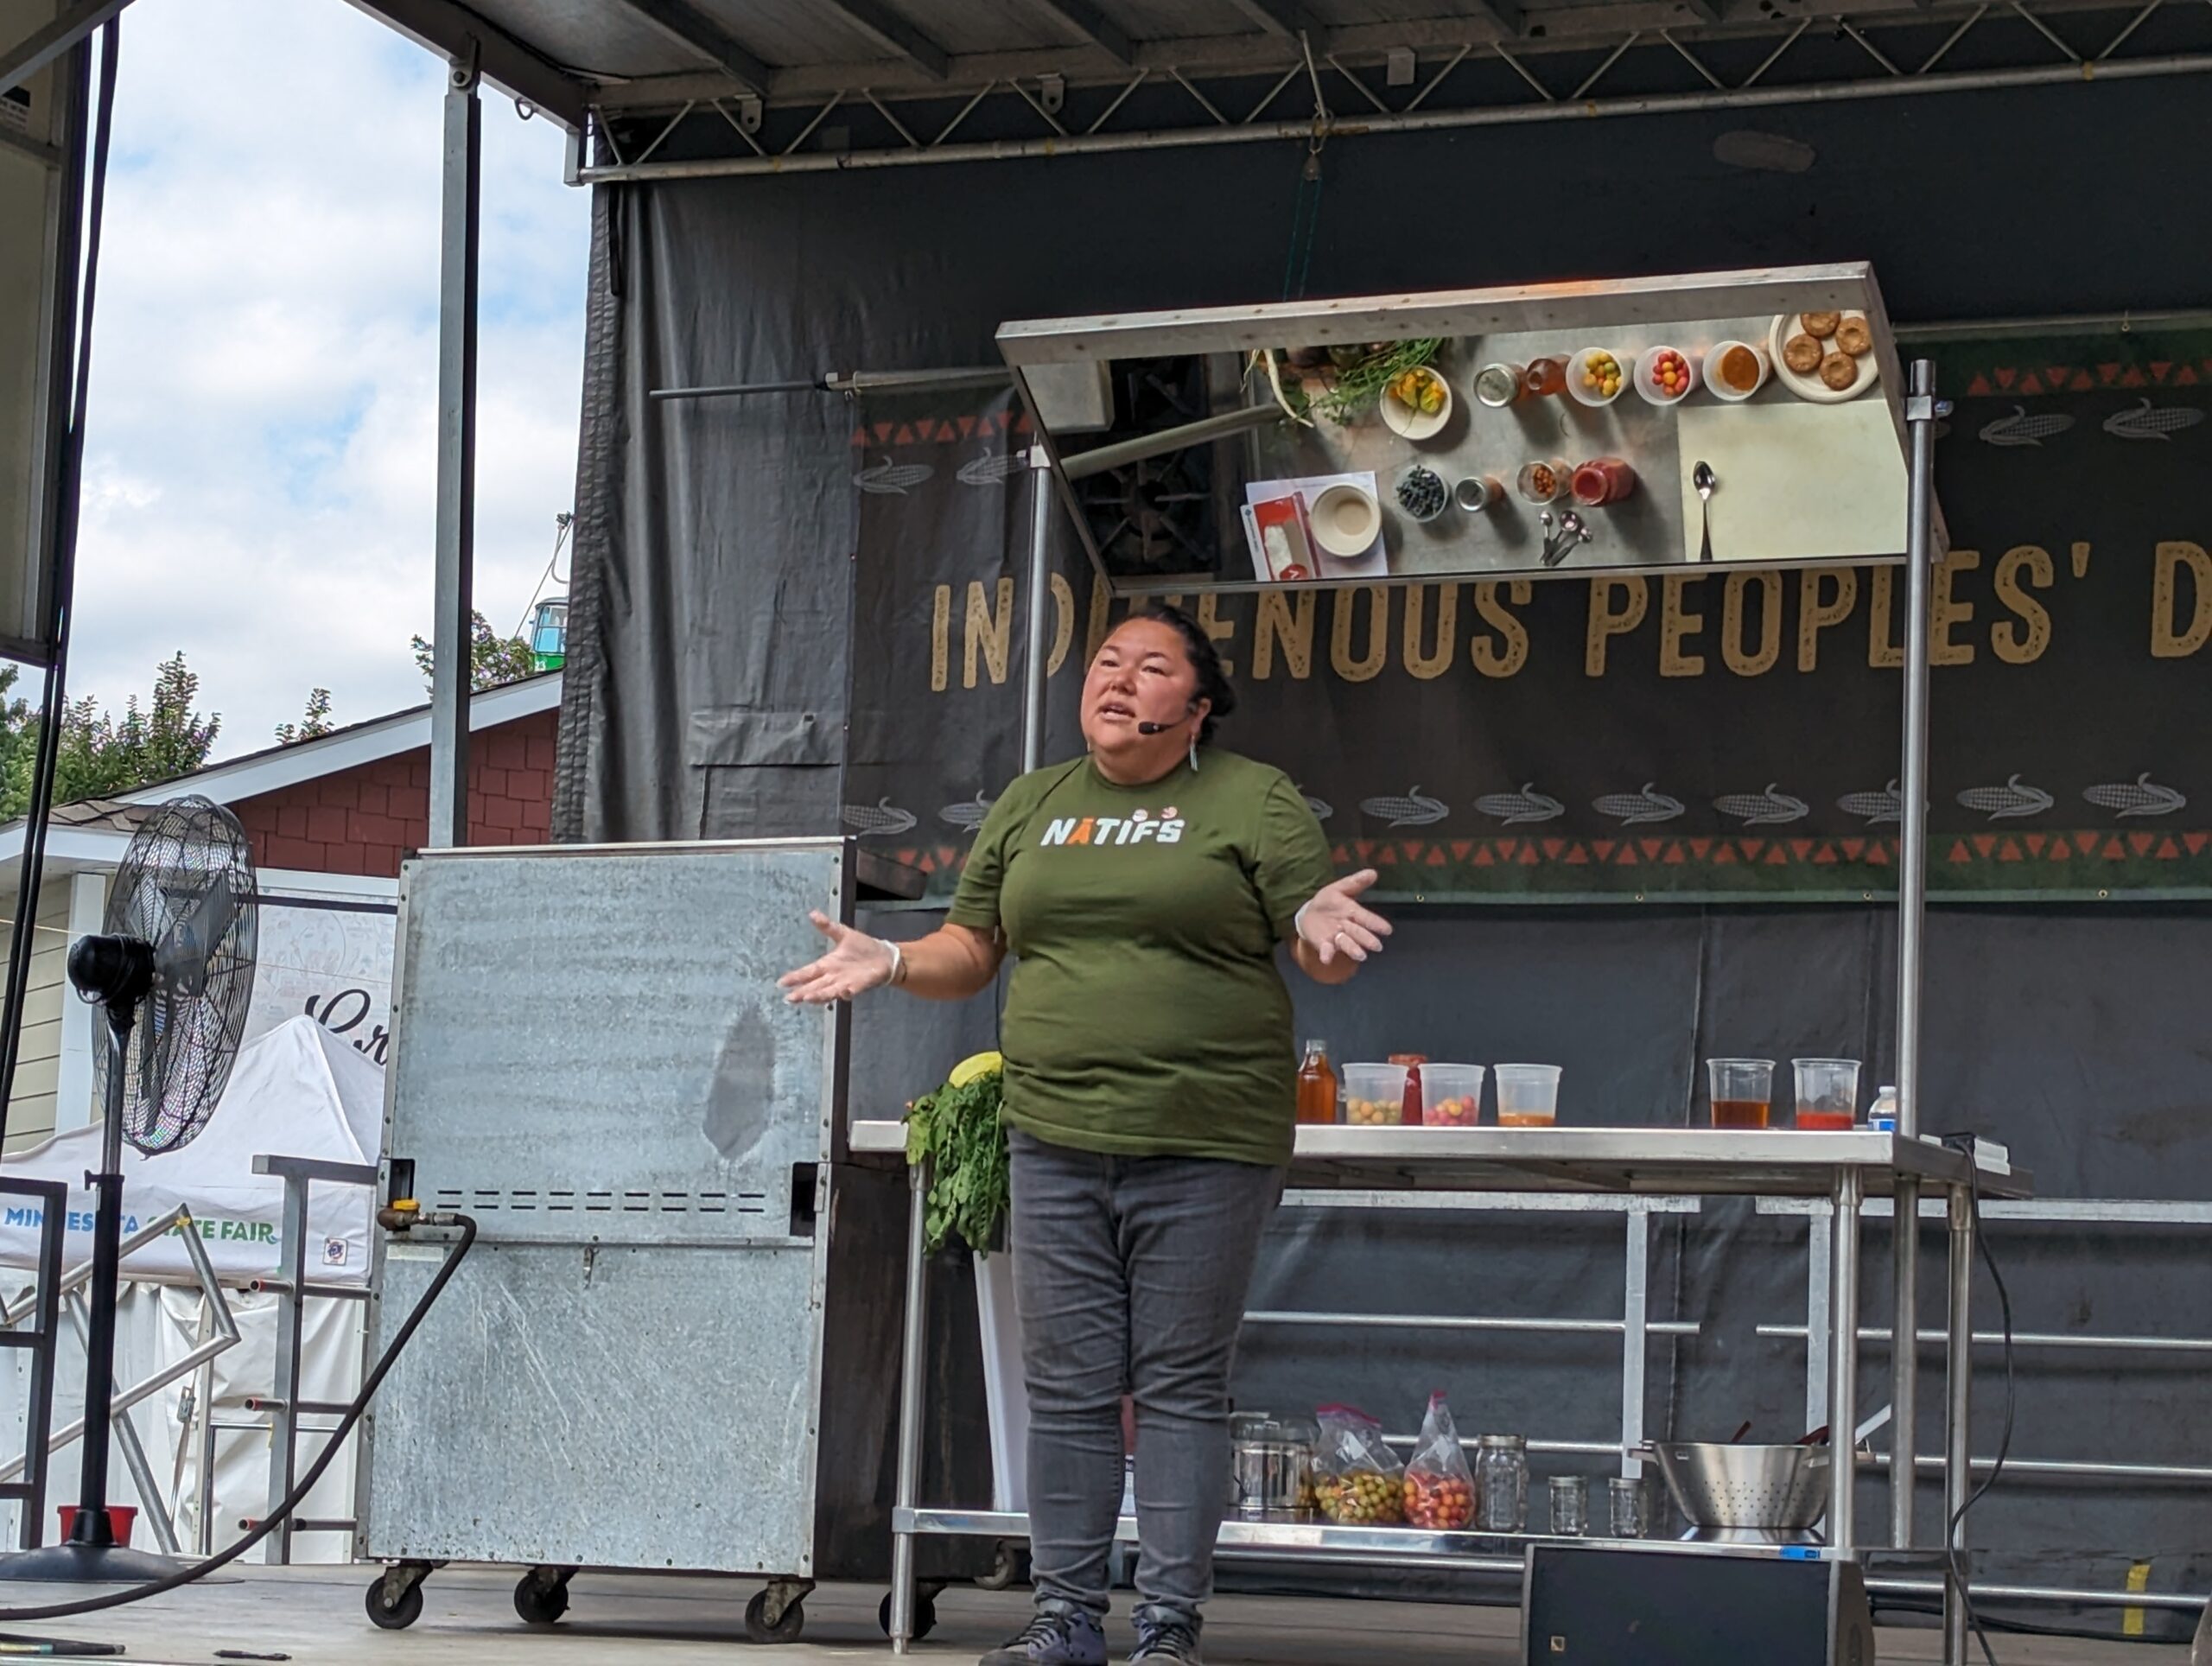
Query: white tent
296,1091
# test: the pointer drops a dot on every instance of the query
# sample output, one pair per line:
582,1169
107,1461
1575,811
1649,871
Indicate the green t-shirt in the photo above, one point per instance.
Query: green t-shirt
1146,1016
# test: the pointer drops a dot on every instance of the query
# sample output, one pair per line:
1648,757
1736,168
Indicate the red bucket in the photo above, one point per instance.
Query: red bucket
121,1518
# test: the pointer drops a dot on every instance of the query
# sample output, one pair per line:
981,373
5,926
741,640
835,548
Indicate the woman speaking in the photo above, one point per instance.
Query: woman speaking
1150,1088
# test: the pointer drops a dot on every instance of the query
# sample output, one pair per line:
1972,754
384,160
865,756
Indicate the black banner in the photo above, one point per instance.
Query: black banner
1712,735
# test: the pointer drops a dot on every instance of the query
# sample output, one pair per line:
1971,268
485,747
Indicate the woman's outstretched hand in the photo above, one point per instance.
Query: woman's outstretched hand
857,962
1335,924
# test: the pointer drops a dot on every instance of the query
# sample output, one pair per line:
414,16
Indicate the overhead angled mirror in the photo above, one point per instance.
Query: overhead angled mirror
1750,418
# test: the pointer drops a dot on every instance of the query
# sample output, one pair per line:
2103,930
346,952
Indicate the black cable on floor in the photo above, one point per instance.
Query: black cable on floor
306,1483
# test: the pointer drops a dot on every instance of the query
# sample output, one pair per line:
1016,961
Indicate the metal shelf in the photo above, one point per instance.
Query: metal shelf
1586,1161
1327,1541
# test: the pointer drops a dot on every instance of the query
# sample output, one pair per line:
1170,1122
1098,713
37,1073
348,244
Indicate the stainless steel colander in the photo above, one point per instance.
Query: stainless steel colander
1746,1488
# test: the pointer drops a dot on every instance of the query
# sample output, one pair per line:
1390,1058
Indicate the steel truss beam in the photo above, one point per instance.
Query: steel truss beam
1208,117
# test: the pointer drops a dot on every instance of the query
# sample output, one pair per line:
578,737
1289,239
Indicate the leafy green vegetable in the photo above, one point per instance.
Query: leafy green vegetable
1350,391
957,1132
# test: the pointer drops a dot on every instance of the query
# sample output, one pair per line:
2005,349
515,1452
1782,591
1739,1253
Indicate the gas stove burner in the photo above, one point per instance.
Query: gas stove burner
1156,516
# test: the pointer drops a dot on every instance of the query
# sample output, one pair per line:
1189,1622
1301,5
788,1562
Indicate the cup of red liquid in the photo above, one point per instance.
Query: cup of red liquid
1741,1090
1828,1093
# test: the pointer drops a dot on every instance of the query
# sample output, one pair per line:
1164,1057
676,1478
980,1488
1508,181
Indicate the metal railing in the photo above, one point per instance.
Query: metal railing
1635,1327
292,1288
71,1296
38,1341
2055,1211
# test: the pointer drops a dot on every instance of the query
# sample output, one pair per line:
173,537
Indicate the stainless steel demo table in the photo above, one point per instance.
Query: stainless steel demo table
1845,1168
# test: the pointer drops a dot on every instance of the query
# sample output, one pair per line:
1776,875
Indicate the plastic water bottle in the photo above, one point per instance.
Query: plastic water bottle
1882,1116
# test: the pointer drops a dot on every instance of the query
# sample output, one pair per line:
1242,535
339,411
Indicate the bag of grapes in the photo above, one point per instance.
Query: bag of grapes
1358,1479
1439,1487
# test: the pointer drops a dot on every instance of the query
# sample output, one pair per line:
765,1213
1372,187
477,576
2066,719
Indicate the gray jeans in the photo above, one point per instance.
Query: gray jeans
1130,1274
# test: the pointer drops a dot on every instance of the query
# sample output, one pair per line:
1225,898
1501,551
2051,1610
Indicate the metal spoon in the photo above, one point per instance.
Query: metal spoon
1701,478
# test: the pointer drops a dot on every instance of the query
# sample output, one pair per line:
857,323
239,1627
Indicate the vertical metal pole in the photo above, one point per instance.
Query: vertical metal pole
38,1401
913,1390
452,617
284,1409
153,1506
1843,1358
1820,1254
92,1527
1912,902
1635,1312
1041,587
1958,1423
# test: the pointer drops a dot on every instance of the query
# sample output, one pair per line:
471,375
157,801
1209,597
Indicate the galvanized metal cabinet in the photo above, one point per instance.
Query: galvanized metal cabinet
671,1347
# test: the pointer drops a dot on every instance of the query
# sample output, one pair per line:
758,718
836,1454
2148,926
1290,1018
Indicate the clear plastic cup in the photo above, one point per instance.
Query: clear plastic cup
1451,1094
1375,1095
1527,1096
1828,1093
1743,1091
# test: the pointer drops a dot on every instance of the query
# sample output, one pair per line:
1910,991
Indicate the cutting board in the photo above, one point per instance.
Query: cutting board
1796,481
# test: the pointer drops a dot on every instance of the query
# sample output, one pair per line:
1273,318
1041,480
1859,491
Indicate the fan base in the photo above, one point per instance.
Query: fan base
84,1564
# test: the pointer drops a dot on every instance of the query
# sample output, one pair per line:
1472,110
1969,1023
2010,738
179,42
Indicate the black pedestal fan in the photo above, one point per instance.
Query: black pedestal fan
173,972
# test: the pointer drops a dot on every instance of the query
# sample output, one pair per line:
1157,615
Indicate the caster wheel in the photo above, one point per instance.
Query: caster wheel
925,1615
394,1616
1009,1567
539,1604
785,1629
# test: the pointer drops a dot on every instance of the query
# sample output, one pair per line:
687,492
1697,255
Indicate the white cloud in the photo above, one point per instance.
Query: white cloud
261,464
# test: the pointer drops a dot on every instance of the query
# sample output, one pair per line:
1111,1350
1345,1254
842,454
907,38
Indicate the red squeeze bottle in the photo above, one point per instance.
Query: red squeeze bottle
1412,1062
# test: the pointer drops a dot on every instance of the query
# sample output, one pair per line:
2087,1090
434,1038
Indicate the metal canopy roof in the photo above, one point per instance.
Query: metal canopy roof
685,87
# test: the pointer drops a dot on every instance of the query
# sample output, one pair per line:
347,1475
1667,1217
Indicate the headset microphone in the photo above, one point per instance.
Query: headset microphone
1163,729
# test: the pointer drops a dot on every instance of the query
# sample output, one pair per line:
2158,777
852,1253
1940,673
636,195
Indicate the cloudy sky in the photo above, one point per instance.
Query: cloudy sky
261,456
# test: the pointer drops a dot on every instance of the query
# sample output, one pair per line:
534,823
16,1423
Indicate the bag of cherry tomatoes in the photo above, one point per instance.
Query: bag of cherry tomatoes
1357,1480
1439,1488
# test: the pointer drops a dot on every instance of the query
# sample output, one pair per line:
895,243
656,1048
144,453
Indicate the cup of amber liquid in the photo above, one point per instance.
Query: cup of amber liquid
1743,1089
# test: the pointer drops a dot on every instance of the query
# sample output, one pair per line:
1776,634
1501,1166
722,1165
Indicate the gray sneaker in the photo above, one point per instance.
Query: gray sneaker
1166,1643
1057,1637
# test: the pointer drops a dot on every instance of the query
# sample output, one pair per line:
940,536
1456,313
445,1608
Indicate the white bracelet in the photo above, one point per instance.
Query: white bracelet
1298,920
898,960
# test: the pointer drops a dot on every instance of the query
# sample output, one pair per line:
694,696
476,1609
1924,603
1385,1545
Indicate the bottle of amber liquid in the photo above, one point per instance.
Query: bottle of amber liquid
1316,1086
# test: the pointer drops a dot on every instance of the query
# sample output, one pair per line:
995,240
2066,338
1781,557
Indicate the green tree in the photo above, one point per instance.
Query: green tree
101,755
315,724
494,660
18,746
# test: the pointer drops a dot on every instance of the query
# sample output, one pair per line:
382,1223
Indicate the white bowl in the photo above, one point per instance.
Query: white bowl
1713,379
1402,419
1811,387
1647,374
1583,396
1344,520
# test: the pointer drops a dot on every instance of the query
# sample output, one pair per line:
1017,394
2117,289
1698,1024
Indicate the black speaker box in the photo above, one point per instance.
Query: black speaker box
1663,1606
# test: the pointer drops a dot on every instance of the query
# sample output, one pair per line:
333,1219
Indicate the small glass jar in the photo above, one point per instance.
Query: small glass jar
1500,384
1502,1484
1630,1499
1570,1505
